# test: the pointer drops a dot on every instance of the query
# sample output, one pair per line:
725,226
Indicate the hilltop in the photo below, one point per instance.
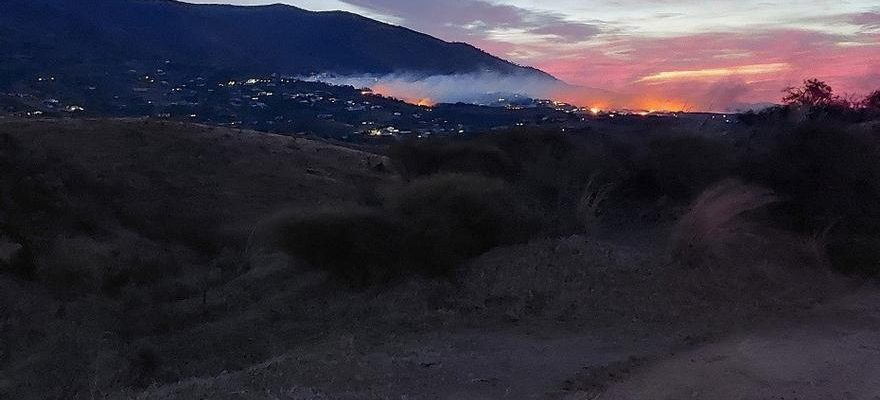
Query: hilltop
95,39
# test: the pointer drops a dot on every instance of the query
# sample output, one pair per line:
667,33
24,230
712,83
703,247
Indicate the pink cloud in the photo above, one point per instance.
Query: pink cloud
736,65
805,54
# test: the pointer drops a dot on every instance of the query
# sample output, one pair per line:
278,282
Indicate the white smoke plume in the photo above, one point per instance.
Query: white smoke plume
467,88
486,88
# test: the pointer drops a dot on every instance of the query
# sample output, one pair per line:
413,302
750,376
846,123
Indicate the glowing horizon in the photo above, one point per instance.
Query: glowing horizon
712,54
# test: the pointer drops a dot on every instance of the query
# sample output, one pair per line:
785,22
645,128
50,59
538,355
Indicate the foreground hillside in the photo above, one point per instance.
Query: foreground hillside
237,176
154,260
119,222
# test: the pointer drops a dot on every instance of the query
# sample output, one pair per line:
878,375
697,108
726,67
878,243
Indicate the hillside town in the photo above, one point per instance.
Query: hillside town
282,104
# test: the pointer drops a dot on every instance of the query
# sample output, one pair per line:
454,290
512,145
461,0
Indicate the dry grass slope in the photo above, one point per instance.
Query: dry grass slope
484,269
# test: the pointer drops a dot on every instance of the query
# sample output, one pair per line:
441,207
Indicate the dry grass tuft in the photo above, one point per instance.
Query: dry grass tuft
592,199
714,218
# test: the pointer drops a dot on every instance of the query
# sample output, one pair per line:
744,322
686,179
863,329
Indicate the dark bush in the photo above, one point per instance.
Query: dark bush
680,167
776,115
557,177
19,260
855,254
451,218
526,146
358,245
828,177
548,170
170,221
421,158
433,225
826,174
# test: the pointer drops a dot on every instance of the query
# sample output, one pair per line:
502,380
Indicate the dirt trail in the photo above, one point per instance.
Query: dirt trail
832,352
445,366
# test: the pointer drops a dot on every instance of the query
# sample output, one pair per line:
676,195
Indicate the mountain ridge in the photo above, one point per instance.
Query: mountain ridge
38,34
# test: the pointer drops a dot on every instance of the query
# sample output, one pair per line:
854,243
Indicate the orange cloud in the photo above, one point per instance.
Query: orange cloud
709,73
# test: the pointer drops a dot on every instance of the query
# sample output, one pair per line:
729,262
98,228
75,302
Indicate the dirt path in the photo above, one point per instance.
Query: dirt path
462,365
831,353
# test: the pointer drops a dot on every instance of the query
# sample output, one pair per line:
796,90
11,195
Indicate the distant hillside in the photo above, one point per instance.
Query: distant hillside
85,36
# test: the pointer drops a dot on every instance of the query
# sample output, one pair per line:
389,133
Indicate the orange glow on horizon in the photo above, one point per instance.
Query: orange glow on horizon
592,102
654,105
597,103
402,94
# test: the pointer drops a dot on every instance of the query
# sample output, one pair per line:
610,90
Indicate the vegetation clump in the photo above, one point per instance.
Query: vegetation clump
433,224
450,218
355,244
829,180
416,160
680,167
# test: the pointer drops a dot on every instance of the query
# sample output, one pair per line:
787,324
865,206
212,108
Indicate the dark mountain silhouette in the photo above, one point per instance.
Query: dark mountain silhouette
39,35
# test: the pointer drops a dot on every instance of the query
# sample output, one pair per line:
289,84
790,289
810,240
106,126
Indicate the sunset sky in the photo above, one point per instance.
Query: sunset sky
708,54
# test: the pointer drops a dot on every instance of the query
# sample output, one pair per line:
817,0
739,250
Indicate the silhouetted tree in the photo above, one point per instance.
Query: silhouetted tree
814,93
870,106
872,101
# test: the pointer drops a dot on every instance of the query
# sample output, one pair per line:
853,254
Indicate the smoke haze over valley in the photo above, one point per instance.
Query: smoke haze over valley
485,88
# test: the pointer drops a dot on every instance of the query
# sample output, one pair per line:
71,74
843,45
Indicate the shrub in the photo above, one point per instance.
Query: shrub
421,158
855,254
169,220
432,226
872,101
556,171
870,105
548,169
680,167
358,245
527,146
777,116
826,174
16,258
450,218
